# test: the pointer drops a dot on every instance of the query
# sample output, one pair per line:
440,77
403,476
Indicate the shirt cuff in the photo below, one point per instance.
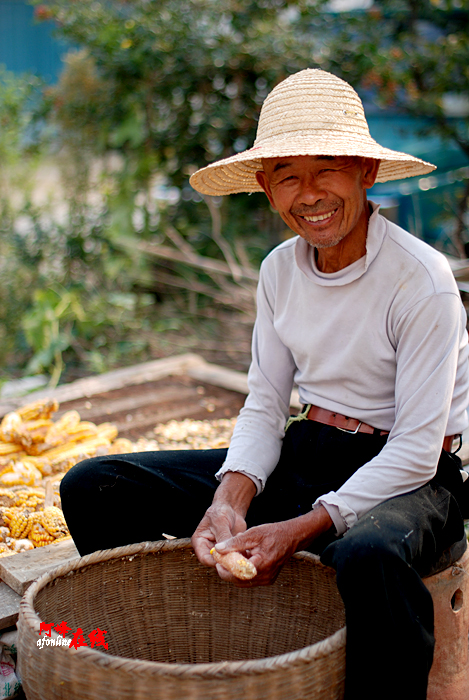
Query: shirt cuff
257,482
339,511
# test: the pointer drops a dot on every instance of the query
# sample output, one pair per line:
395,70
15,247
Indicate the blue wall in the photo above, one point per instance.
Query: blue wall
27,45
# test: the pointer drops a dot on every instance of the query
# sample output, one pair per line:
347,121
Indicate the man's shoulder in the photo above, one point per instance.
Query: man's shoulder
416,257
284,248
283,252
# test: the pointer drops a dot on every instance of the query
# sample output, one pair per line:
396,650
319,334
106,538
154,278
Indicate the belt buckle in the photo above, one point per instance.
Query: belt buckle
351,432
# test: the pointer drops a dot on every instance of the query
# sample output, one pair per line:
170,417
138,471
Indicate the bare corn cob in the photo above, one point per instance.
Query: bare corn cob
234,562
22,545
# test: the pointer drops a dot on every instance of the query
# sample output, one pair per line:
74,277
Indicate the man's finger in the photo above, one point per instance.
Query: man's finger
237,543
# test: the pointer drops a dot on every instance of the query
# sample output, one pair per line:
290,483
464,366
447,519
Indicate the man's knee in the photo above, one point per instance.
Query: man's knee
86,477
370,544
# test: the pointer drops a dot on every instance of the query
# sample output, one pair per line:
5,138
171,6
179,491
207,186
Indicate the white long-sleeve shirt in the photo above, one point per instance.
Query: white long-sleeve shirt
383,340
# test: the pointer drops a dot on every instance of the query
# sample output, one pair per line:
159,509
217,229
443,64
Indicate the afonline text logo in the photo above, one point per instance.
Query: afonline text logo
96,637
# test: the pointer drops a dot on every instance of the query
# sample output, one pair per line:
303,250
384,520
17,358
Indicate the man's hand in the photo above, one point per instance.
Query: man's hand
225,517
267,546
220,522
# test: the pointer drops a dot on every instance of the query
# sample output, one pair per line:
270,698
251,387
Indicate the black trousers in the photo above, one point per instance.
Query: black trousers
379,561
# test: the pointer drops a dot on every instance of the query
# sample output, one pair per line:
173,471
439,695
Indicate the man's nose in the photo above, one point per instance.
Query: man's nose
311,192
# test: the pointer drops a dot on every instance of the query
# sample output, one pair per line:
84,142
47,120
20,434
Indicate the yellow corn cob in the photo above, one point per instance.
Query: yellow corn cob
39,409
20,474
58,432
234,562
72,448
38,463
121,446
39,535
6,460
19,522
8,448
7,498
5,551
11,423
82,431
54,522
69,420
108,431
65,457
31,434
32,498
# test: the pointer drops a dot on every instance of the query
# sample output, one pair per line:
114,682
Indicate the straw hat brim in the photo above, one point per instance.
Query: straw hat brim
238,173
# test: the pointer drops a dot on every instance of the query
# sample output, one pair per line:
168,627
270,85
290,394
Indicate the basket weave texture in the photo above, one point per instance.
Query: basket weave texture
177,632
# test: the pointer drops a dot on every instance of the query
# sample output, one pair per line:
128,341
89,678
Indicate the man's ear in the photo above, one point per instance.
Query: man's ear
263,181
370,172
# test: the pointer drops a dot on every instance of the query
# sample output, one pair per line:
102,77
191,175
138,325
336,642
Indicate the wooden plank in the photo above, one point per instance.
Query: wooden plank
20,570
116,379
228,379
9,606
103,408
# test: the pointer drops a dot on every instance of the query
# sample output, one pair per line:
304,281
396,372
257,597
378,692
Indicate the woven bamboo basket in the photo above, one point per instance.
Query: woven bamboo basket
175,631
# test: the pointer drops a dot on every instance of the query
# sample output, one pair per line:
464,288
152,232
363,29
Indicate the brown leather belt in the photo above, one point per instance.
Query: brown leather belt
353,425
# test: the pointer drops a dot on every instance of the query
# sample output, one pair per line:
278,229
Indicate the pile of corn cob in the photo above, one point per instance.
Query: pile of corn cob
32,445
35,452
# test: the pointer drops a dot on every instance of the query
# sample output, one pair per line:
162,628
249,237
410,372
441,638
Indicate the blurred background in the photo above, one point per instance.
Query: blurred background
107,256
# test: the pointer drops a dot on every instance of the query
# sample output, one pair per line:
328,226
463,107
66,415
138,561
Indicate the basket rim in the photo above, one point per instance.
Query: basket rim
220,669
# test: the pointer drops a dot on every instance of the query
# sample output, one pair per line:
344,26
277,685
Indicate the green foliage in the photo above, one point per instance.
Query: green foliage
174,85
18,98
48,329
156,89
413,55
188,77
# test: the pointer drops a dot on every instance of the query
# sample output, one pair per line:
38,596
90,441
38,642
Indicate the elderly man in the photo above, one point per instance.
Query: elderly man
367,320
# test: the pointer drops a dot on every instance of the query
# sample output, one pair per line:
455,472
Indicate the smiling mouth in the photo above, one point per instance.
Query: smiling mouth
319,217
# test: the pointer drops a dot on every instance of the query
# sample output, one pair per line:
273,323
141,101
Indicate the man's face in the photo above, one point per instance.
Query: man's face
321,198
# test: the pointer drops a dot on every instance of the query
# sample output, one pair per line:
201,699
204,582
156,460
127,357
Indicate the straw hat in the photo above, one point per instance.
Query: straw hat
310,113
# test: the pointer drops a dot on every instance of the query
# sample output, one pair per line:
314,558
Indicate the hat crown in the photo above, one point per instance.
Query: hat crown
310,113
310,101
